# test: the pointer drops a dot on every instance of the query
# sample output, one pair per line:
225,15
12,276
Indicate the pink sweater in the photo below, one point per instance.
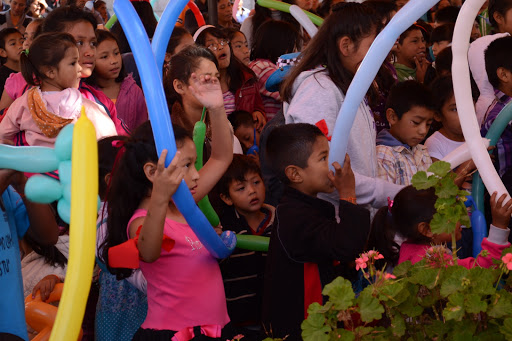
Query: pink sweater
495,244
66,103
184,286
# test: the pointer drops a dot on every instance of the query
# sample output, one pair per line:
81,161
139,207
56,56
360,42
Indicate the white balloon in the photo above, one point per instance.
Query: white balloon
464,100
461,154
304,20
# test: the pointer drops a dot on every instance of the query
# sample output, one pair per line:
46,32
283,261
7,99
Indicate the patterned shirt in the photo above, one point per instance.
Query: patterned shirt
504,146
229,102
263,68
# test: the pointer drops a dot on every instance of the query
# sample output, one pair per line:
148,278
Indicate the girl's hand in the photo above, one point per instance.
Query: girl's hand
343,179
46,286
500,212
206,89
421,69
167,180
259,120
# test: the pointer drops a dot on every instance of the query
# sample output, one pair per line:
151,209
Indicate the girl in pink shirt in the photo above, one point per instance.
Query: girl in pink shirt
184,285
407,222
52,68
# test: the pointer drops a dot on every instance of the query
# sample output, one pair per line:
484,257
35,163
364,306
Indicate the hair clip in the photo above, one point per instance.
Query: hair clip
25,52
390,205
118,143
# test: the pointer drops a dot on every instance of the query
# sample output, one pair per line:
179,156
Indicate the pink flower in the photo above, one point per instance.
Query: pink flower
379,256
389,276
361,262
507,259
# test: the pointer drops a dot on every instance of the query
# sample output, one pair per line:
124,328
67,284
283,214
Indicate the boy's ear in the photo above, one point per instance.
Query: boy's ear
293,174
391,116
227,200
424,229
344,45
438,117
167,57
150,171
107,178
179,87
503,75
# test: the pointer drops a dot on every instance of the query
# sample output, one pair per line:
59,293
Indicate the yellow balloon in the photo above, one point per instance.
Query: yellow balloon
82,232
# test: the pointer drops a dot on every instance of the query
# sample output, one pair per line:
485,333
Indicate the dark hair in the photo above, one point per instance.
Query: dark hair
406,95
273,39
3,36
107,153
129,186
406,33
444,60
442,91
237,171
291,144
98,3
350,19
147,17
262,14
101,36
383,9
497,55
177,33
59,19
236,70
181,67
51,254
498,6
240,118
447,15
47,50
442,33
410,207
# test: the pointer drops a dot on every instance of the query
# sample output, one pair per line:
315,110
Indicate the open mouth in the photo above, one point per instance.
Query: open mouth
223,56
193,190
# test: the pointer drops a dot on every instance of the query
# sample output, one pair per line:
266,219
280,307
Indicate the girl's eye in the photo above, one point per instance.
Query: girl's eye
415,123
257,182
240,189
79,43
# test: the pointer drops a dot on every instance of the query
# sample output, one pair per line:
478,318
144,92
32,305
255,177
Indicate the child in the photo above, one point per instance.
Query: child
244,129
18,216
33,30
410,217
239,45
273,39
411,59
180,38
139,203
441,38
410,112
499,15
307,239
499,70
11,44
110,77
52,68
243,191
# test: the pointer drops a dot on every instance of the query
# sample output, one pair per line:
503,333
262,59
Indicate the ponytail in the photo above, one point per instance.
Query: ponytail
28,71
382,237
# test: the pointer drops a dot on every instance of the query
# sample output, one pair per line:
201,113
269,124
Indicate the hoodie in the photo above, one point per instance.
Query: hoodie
317,100
130,104
398,162
476,59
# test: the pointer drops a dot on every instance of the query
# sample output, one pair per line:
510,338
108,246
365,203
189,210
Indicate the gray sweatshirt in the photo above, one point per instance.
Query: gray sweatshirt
317,98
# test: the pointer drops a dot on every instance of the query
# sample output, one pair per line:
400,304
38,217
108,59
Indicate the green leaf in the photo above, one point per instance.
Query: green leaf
389,291
482,280
340,293
314,328
410,306
501,304
369,307
446,188
455,307
421,181
425,276
475,304
398,325
362,331
453,281
440,223
401,269
506,329
443,203
440,168
342,335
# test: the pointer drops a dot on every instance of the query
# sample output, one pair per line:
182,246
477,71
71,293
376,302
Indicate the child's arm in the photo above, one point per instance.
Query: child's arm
45,286
10,124
165,183
207,90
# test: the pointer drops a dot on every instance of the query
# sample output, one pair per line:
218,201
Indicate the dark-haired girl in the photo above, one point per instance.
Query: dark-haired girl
315,89
184,284
238,83
52,68
109,75
407,222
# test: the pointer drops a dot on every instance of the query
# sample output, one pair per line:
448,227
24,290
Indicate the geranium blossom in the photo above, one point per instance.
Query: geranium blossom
507,259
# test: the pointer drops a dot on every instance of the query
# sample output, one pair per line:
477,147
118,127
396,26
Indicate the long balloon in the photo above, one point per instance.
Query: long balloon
160,118
197,13
304,20
465,107
366,73
284,7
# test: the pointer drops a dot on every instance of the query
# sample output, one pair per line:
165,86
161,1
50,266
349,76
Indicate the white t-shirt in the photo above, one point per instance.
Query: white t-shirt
439,145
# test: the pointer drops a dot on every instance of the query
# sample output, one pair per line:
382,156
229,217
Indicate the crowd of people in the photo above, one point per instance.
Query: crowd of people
269,95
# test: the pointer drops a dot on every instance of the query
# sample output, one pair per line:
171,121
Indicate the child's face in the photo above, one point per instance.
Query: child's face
206,67
29,34
412,128
475,31
413,47
450,117
186,40
188,159
109,60
220,49
68,71
315,175
439,46
504,21
241,48
13,47
247,196
83,32
245,134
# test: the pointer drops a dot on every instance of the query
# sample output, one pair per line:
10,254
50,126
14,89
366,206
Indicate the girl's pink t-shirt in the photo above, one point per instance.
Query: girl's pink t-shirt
184,286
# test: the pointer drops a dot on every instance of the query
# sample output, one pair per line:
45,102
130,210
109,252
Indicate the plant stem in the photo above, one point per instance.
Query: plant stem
454,248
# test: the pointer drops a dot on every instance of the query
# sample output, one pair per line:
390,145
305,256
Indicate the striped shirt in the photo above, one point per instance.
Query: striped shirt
229,102
263,68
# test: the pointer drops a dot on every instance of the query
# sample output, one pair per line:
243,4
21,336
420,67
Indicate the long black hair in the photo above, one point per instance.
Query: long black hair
101,36
129,186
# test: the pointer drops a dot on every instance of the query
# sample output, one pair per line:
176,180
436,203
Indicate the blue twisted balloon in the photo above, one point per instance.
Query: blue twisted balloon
366,73
151,80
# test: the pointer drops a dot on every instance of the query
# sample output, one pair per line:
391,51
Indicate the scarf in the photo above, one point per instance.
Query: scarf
49,123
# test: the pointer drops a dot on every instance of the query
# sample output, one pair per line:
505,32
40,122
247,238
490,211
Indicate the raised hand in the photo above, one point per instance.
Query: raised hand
206,89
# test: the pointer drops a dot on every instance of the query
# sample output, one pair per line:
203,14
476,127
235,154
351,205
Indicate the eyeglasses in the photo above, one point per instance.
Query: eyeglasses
215,46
